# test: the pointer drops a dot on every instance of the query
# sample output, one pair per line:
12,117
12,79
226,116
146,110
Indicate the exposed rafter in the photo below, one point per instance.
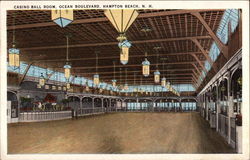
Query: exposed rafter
101,19
223,48
205,53
38,60
115,43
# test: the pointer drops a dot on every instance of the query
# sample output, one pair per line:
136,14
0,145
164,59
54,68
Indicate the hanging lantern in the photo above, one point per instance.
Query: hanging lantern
121,19
125,87
170,89
14,57
68,85
14,52
157,76
96,80
100,90
64,88
62,17
145,67
141,91
67,68
38,86
168,86
239,80
53,87
124,53
41,80
163,82
114,83
46,86
87,88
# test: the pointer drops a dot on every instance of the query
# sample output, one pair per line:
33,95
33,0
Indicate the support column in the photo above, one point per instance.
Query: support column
230,107
19,103
217,108
206,106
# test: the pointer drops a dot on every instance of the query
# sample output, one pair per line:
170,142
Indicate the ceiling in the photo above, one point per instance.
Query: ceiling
182,37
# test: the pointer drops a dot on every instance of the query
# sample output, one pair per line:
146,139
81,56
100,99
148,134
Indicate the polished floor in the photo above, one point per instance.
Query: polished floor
118,133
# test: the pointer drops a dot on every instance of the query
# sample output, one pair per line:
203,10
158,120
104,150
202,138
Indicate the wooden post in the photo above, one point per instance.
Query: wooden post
217,108
230,107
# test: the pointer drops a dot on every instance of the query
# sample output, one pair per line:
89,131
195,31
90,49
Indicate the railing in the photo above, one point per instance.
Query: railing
223,125
137,109
233,132
35,116
90,111
223,128
212,120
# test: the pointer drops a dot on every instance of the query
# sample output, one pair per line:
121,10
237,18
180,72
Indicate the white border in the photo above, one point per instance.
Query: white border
8,5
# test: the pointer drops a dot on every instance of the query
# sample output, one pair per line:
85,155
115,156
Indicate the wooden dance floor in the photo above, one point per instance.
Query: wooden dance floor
118,133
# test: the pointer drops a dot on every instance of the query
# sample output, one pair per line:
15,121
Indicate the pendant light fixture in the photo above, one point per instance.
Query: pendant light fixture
68,85
163,80
67,66
62,17
157,73
122,19
114,80
14,52
87,86
146,66
124,51
146,63
96,76
64,88
41,80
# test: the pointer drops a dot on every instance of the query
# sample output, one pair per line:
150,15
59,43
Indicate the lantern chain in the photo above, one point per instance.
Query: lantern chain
114,70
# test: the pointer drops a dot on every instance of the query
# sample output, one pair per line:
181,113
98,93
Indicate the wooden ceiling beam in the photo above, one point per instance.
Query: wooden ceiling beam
200,63
104,19
110,57
205,53
223,48
115,43
128,65
117,76
78,71
132,76
197,69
